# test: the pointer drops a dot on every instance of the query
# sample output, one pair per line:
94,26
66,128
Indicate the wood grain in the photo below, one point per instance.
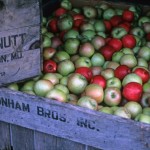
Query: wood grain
74,123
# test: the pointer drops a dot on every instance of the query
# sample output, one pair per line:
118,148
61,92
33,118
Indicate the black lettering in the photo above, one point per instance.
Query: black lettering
90,126
25,107
3,102
16,55
18,106
54,115
1,43
14,38
11,103
85,123
48,114
22,37
40,111
63,119
82,122
7,42
3,58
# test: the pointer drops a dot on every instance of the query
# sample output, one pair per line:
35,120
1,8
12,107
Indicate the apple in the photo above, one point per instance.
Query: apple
128,15
122,112
128,41
87,102
71,46
134,108
115,43
42,87
137,31
56,94
83,62
108,25
96,70
131,77
106,110
142,62
86,72
97,59
146,111
112,64
94,91
118,32
112,96
15,86
100,80
55,42
99,26
109,13
143,118
60,56
62,88
48,53
27,86
121,71
146,27
46,41
65,22
142,72
107,51
86,26
127,51
145,100
89,12
144,52
72,99
115,20
64,80
146,87
117,56
98,42
87,35
128,60
132,91
86,49
107,73
51,77
114,82
76,83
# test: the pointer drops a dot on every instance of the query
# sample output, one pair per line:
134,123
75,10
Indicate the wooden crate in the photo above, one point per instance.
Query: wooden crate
29,122
20,52
33,123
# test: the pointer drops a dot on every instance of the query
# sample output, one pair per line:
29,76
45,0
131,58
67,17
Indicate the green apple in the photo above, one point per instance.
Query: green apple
97,59
114,82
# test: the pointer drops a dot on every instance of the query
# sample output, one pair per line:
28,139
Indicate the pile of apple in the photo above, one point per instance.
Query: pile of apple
96,57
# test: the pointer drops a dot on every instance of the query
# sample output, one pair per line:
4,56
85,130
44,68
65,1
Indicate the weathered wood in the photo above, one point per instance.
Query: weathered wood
5,137
49,142
74,123
20,47
22,138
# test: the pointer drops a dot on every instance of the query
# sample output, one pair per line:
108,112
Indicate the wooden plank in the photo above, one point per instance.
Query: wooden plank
74,123
22,138
19,13
5,140
20,47
49,142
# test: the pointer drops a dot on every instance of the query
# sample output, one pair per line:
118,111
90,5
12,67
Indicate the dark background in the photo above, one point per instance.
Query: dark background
50,5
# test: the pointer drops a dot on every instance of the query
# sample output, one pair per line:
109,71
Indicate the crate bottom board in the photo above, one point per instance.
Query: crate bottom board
15,137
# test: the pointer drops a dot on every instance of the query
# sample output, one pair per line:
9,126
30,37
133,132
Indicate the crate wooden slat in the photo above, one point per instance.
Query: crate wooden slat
73,123
20,48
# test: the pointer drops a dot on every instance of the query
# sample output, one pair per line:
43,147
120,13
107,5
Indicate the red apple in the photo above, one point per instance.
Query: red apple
128,41
128,15
132,91
108,25
115,20
121,71
125,25
85,71
107,51
100,80
115,43
143,73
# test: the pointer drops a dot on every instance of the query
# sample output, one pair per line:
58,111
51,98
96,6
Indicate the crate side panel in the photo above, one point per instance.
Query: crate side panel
77,124
22,138
5,139
49,142
20,54
19,13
